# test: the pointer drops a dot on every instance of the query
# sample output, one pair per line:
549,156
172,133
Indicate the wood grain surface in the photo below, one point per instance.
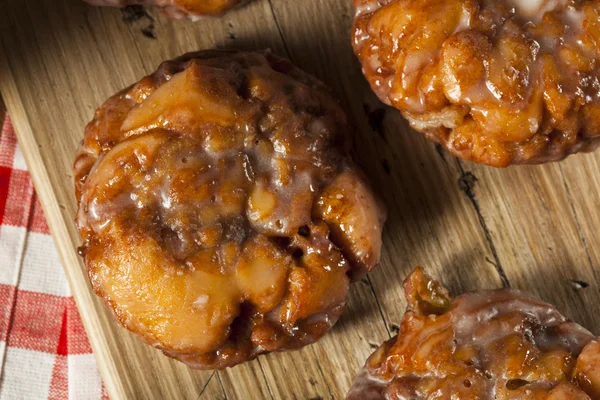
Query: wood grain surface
534,228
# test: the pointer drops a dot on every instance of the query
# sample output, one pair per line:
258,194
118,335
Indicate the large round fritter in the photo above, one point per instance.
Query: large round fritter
496,344
192,9
220,214
497,82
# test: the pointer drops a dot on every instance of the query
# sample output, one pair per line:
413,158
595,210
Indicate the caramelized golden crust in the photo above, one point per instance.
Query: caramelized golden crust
220,214
495,344
192,9
496,82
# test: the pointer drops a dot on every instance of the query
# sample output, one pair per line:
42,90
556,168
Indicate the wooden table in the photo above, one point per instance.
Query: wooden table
534,228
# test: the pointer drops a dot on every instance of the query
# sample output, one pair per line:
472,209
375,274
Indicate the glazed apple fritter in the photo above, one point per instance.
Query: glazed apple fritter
496,82
491,344
220,214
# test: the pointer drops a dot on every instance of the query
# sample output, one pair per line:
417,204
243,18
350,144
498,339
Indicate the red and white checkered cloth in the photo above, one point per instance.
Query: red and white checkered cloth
44,350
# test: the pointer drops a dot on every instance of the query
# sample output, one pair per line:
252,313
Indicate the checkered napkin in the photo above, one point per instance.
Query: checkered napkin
44,351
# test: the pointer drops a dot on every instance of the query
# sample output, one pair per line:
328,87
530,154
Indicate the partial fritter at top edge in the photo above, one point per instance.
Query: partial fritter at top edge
179,9
496,82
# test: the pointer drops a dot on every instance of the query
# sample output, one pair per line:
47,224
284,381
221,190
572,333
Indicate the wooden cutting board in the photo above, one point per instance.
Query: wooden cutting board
534,228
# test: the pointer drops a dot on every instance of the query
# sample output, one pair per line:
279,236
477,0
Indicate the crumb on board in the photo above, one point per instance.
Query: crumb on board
139,14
